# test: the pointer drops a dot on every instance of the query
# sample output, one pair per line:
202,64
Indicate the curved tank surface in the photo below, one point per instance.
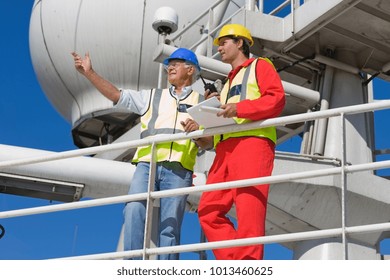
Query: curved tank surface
121,41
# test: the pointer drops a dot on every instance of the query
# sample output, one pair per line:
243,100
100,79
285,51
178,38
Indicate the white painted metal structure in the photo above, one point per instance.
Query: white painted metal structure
324,51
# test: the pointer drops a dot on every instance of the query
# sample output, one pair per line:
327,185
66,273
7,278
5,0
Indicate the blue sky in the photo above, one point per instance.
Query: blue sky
29,120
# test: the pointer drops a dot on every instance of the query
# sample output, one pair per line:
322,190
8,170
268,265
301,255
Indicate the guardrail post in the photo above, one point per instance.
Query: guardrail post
150,204
343,188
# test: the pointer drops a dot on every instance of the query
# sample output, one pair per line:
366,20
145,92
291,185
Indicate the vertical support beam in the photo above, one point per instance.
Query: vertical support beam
209,37
308,135
149,204
162,80
343,188
261,6
322,124
294,6
347,89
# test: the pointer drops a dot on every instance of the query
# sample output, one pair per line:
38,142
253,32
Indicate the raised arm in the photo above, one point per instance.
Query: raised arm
84,66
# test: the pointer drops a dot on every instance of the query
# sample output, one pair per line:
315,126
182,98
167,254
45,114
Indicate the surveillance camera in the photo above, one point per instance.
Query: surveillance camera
165,20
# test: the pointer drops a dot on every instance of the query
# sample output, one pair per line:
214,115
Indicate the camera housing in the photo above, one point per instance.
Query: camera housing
165,20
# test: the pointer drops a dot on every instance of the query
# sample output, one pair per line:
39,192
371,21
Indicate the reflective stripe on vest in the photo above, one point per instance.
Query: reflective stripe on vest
244,86
163,116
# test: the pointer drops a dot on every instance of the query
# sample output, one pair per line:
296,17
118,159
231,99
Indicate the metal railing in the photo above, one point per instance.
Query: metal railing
150,196
251,5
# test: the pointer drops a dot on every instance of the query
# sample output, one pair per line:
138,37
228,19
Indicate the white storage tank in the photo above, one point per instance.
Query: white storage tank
121,40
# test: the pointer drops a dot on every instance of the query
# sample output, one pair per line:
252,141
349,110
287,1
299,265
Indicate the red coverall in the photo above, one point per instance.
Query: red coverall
243,158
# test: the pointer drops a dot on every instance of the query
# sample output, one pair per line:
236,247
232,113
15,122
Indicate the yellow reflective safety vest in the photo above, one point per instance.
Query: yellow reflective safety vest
244,86
163,116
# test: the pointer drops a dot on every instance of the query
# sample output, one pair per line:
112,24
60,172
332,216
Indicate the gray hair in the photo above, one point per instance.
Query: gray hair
196,74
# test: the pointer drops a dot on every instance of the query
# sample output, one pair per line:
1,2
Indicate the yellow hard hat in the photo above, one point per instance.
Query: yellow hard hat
237,30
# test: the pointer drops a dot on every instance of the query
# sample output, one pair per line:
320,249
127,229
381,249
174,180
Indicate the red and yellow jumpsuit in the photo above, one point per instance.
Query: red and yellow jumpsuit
257,89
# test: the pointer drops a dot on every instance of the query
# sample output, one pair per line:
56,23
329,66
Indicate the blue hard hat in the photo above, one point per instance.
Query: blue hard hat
183,54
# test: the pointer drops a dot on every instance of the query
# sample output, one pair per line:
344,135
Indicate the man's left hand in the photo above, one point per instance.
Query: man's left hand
190,125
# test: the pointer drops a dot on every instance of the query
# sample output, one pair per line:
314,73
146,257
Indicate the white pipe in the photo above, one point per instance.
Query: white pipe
100,177
312,96
336,64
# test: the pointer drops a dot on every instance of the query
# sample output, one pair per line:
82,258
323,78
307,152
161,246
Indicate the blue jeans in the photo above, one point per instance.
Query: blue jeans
169,175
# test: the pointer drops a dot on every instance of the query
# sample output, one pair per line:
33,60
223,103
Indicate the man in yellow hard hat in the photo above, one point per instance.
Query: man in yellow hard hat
253,92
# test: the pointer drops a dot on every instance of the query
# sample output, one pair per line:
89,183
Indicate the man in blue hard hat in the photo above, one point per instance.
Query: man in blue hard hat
162,111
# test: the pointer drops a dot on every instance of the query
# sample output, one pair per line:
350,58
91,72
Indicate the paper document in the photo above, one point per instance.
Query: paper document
205,113
209,109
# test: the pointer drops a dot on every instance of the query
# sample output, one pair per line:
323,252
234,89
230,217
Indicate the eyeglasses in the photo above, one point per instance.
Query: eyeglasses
175,65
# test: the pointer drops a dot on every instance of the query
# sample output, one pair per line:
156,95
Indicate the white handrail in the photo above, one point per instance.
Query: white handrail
280,238
200,188
281,121
240,183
